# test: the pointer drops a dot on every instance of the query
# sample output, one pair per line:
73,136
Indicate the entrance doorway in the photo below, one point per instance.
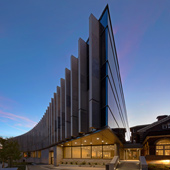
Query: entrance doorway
132,154
51,157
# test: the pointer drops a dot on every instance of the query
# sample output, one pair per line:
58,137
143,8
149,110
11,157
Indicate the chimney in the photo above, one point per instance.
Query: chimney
161,117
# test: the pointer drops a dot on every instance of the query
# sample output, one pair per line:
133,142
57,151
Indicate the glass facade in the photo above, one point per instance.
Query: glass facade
113,110
96,152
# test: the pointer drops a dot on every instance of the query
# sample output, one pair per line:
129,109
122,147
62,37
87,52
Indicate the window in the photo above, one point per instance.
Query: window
67,152
96,151
163,147
168,125
86,151
164,126
108,152
39,154
76,152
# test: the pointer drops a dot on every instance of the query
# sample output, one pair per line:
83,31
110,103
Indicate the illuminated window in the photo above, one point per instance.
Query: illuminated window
67,152
39,154
108,152
96,151
86,151
33,154
76,152
163,147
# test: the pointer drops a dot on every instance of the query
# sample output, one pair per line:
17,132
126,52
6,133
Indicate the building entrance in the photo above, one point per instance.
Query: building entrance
51,157
131,154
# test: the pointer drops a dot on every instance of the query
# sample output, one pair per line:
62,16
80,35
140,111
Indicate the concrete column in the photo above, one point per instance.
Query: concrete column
62,109
74,96
117,147
82,84
67,105
55,155
59,154
94,73
58,114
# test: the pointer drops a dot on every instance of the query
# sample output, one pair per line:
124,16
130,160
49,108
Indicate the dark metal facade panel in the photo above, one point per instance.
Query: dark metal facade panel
67,104
58,113
62,109
74,96
94,73
82,87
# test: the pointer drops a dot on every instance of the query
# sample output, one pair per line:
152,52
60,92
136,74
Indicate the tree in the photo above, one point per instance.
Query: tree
10,151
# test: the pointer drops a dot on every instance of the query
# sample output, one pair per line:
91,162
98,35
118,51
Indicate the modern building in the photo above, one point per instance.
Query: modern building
86,118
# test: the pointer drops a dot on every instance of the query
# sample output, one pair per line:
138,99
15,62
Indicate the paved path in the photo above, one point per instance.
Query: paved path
46,167
126,165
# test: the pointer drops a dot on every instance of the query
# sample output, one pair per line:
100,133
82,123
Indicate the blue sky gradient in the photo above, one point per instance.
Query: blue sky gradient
37,38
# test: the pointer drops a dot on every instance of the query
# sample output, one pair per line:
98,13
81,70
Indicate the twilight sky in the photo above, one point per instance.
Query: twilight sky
37,38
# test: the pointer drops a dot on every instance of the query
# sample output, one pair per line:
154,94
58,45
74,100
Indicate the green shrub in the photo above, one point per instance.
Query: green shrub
83,163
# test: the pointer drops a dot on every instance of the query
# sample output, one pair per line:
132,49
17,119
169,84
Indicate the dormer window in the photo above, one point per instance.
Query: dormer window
168,125
164,126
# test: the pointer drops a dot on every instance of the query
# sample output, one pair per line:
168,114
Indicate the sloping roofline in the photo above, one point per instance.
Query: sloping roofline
153,124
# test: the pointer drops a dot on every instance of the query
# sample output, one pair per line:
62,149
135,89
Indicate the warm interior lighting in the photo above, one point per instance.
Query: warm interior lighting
90,142
61,145
97,138
75,142
84,140
106,143
102,140
165,161
67,144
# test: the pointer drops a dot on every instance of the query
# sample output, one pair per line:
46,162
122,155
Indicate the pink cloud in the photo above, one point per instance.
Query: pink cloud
26,122
131,33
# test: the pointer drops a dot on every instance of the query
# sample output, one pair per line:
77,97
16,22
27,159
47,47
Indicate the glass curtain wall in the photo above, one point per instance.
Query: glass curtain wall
113,109
97,152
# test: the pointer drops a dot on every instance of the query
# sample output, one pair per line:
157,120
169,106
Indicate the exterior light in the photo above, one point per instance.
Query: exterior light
81,144
61,145
68,144
90,142
75,142
106,143
97,138
102,140
84,140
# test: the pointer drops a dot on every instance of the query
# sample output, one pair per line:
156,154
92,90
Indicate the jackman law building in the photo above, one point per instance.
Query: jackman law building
86,118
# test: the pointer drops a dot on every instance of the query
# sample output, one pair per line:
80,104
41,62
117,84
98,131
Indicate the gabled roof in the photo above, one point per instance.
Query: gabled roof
154,124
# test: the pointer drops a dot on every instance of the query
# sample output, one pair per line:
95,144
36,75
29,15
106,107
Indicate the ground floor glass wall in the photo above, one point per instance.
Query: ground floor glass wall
99,152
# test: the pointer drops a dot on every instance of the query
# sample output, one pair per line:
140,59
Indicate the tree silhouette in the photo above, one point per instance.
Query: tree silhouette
10,151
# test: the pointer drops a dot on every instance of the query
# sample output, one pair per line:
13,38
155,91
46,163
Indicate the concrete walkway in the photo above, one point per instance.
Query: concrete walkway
128,165
46,167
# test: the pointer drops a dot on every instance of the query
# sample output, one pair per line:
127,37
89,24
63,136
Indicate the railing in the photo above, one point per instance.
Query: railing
143,163
113,164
